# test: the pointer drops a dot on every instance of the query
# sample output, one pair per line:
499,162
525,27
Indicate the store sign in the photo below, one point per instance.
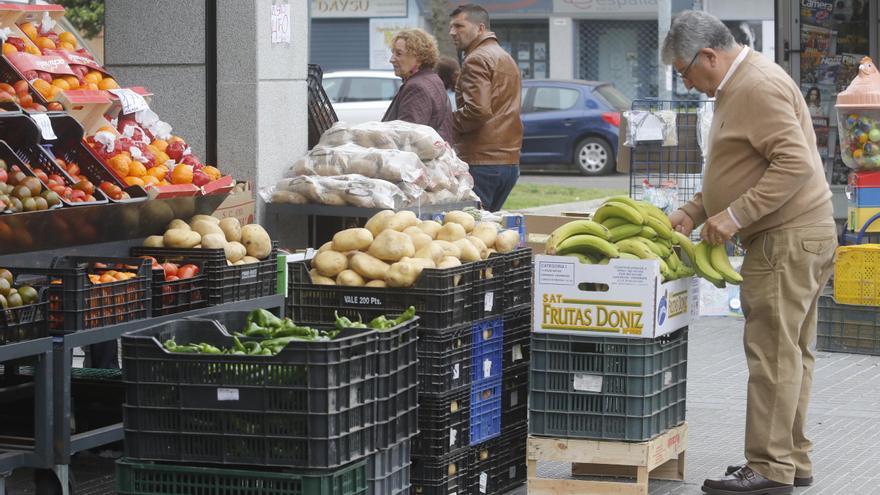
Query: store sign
322,9
382,32
605,6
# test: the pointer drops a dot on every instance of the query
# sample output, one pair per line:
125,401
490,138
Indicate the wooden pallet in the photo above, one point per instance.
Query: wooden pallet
660,458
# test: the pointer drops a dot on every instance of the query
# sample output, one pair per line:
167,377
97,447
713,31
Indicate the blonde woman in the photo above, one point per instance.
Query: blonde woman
422,97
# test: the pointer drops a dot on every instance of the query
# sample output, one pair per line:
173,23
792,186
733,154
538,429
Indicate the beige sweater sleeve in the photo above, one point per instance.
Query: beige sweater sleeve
694,209
778,136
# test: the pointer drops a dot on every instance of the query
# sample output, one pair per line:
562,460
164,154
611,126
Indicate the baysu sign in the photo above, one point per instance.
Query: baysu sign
358,8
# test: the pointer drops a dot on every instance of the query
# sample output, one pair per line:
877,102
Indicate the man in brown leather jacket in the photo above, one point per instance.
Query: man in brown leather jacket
486,125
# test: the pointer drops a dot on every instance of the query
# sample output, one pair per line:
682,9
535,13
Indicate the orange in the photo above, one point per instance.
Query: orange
159,172
66,46
44,88
120,164
133,181
182,174
108,83
7,49
61,83
72,81
93,76
67,37
45,43
107,128
30,30
91,86
33,50
137,169
160,144
212,172
149,180
164,182
106,278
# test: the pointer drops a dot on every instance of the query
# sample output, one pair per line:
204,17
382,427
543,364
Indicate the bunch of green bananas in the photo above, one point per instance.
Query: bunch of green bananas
629,229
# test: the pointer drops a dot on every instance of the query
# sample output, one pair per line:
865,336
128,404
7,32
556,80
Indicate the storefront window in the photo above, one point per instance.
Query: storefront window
527,44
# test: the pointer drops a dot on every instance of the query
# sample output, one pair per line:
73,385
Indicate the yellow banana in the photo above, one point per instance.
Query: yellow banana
625,231
648,233
721,263
627,201
664,270
661,228
584,259
587,244
577,227
703,266
628,256
636,248
656,213
612,222
656,247
686,245
604,261
673,261
621,210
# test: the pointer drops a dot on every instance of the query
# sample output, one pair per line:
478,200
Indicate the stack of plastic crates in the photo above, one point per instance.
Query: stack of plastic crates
850,320
321,113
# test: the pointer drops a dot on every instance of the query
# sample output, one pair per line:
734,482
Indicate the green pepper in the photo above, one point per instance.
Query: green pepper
381,323
263,318
406,316
208,349
170,345
238,345
289,329
255,330
344,322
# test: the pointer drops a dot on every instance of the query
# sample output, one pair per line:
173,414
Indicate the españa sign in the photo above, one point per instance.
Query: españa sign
626,298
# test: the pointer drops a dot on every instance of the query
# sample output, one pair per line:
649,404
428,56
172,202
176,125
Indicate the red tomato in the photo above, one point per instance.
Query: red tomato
171,278
170,270
3,176
153,262
57,178
73,169
186,271
194,268
77,195
42,176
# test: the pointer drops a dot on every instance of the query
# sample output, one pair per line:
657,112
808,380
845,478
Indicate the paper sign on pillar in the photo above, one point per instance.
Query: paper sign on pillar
625,298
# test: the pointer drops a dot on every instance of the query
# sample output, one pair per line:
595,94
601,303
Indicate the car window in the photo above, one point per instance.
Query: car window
613,97
554,99
522,98
332,88
370,89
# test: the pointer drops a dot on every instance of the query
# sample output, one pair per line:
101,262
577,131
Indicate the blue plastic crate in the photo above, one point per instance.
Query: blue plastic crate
488,349
485,410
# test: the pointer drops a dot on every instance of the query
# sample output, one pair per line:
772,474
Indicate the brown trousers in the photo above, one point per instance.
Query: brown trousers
784,272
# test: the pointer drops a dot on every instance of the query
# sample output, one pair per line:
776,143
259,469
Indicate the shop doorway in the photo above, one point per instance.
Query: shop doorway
528,44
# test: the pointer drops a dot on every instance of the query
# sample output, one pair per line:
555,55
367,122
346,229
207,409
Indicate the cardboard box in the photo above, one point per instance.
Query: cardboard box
625,298
239,204
539,227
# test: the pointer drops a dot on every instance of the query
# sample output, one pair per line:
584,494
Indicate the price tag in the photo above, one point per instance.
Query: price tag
588,383
453,437
484,480
249,274
489,301
487,368
45,126
131,101
227,394
280,21
455,372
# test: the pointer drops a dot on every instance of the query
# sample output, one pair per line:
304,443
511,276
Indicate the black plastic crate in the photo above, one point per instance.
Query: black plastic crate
441,298
487,296
321,113
398,414
26,322
485,417
388,470
440,475
514,399
518,273
614,388
847,328
312,405
486,354
398,384
443,424
226,284
136,478
445,359
11,159
176,296
517,338
498,466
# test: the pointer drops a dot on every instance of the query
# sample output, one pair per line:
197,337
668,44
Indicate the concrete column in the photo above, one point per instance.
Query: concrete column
262,94
563,48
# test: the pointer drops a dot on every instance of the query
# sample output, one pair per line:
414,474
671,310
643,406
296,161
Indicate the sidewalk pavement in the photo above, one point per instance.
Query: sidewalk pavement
844,416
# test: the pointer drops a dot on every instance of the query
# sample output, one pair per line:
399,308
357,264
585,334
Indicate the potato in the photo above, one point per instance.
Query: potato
487,232
319,279
178,224
449,262
413,230
449,249
469,252
349,278
419,239
154,241
327,245
330,263
460,218
480,245
423,262
234,251
430,227
249,259
239,263
401,220
256,240
368,266
451,232
231,228
179,238
205,227
214,241
432,251
376,223
376,283
352,240
507,241
403,274
207,218
391,245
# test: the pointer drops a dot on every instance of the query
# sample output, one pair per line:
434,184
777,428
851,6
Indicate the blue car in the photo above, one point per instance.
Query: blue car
570,123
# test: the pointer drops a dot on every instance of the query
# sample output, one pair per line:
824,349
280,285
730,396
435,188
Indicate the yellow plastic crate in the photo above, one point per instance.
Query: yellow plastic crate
857,275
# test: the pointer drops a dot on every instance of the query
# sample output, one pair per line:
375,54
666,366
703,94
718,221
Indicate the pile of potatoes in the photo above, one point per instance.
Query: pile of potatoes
242,244
392,249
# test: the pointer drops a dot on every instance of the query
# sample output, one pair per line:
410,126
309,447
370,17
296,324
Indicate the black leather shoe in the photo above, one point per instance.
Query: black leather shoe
798,481
745,482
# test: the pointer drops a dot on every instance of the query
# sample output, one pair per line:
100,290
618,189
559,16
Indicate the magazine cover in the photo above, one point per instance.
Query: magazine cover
820,100
820,125
817,12
849,69
816,44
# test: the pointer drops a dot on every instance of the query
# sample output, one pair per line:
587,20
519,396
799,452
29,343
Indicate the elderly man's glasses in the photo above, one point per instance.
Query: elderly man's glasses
684,73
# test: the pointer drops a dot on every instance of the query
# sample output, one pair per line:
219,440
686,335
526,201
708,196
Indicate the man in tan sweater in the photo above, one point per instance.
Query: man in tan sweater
763,182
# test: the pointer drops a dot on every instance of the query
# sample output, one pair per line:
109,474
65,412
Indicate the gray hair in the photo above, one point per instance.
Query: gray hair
690,32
